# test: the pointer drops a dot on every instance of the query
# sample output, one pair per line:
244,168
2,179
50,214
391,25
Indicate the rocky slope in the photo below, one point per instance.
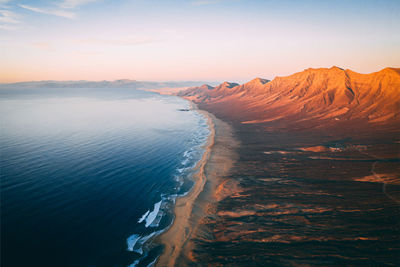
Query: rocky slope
323,95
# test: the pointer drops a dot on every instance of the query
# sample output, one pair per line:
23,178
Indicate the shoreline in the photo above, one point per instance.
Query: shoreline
191,208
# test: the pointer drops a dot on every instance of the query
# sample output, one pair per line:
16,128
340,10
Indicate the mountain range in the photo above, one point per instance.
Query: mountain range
123,83
323,94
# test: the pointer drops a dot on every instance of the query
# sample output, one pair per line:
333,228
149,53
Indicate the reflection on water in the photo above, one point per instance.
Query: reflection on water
78,171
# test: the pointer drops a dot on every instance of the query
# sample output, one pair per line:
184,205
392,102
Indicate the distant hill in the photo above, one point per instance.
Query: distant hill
124,83
324,94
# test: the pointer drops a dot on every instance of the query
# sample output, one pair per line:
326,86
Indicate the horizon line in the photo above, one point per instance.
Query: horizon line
182,81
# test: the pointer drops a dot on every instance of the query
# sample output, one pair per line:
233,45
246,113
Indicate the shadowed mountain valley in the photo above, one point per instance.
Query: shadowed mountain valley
316,181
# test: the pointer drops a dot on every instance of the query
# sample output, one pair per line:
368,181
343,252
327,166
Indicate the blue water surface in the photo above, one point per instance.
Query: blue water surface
89,177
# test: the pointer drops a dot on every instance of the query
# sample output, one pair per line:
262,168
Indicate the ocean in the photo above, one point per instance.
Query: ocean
89,176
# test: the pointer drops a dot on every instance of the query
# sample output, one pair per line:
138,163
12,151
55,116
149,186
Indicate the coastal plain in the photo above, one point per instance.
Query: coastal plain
302,189
286,207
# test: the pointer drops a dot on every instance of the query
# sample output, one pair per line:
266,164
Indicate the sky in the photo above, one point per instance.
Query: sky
196,40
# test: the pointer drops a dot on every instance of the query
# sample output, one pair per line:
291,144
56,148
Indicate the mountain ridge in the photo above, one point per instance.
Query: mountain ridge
313,94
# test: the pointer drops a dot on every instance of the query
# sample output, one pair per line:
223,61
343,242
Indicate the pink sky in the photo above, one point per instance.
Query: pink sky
194,40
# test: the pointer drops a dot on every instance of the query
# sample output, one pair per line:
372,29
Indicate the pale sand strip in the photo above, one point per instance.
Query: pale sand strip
215,163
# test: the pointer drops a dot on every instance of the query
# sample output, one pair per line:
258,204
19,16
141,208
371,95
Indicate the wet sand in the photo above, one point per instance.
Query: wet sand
189,210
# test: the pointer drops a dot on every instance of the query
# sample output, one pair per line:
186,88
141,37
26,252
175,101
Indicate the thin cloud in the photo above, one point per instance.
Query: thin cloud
74,3
2,2
54,12
211,2
206,2
63,8
8,20
7,16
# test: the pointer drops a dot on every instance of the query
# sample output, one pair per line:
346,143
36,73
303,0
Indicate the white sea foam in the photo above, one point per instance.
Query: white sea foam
144,217
181,170
151,264
160,214
152,216
136,262
186,153
185,161
135,242
131,241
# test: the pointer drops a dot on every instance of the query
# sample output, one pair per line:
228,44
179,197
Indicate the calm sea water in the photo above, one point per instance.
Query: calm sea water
89,177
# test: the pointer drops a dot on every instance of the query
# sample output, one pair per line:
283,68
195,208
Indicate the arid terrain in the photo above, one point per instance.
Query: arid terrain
313,95
317,179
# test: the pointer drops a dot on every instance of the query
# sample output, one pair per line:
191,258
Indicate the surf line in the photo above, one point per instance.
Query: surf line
180,230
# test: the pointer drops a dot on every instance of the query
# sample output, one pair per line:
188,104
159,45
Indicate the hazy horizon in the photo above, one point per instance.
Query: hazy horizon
209,82
113,80
214,40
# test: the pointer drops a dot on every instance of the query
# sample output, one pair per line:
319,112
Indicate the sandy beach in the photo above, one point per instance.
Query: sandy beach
189,210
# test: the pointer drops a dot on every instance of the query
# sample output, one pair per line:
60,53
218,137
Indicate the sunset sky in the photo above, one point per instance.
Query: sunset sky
208,40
